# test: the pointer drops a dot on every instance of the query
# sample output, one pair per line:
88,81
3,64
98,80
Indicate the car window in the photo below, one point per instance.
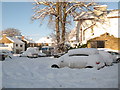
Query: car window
114,53
79,55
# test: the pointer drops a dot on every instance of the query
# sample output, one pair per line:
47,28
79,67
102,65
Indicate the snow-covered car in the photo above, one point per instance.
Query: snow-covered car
31,51
34,55
116,56
2,57
81,58
58,55
48,50
107,57
40,54
5,54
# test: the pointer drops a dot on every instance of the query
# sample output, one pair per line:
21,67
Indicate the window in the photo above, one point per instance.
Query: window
100,44
79,55
97,44
20,45
16,45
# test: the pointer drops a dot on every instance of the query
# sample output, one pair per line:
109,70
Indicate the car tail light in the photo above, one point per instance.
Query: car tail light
97,62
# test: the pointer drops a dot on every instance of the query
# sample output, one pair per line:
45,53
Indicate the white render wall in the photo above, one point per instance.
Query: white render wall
12,46
111,27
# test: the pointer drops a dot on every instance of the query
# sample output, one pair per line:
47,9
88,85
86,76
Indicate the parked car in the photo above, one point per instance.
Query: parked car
81,58
107,57
116,56
48,50
2,57
5,54
58,55
34,55
40,54
32,52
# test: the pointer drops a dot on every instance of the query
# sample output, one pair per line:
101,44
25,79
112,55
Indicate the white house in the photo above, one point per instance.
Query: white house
14,43
100,34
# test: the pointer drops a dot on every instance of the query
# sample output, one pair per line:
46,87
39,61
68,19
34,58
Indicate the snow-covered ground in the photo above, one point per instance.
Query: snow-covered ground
22,72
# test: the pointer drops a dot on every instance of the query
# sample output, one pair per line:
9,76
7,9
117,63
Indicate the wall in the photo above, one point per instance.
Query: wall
110,41
110,26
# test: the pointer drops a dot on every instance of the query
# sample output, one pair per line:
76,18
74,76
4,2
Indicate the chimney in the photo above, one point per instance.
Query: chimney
22,37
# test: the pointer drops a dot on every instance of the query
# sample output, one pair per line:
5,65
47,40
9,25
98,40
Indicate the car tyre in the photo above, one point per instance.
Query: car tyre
55,66
118,60
89,67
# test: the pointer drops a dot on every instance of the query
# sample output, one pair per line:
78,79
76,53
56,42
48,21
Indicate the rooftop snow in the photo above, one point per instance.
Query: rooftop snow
45,40
89,15
15,40
28,40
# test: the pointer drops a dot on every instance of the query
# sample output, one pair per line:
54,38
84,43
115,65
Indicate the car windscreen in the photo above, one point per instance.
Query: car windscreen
79,55
44,48
114,53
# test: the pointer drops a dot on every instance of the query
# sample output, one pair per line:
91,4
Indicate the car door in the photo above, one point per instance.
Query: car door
78,60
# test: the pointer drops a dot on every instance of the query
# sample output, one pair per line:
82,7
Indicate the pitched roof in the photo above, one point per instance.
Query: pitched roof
28,40
45,40
89,15
15,40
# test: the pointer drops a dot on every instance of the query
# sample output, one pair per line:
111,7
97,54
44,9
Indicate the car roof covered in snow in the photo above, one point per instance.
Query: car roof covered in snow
83,51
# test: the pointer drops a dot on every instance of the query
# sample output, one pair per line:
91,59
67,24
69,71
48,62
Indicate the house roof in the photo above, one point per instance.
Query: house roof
28,40
84,16
45,40
89,15
15,40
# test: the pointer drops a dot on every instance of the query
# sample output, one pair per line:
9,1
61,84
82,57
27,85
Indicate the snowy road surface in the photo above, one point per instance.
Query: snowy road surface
21,72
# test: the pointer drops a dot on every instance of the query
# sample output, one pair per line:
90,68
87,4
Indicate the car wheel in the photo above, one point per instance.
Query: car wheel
118,60
55,66
89,67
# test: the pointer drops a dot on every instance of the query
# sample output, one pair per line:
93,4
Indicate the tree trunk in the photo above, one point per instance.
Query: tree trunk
63,23
57,27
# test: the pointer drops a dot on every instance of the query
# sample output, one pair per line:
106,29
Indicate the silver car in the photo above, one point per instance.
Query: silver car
81,58
116,56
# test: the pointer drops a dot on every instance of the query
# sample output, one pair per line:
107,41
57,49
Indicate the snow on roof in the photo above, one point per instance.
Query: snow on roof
83,51
113,13
15,40
45,40
28,40
84,15
89,15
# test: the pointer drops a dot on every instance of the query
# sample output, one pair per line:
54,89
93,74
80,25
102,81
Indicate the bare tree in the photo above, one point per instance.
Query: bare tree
11,32
59,12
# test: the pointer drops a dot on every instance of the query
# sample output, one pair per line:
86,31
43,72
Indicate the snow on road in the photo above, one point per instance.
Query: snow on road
22,72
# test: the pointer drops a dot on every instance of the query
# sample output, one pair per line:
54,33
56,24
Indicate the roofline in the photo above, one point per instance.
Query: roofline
10,39
93,18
